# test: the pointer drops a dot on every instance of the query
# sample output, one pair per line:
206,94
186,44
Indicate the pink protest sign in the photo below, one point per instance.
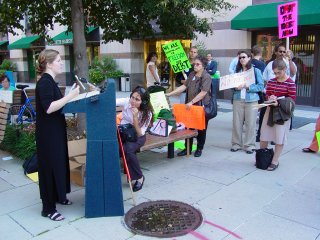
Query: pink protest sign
288,19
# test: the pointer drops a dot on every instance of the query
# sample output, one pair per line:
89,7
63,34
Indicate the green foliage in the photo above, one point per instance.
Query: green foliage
7,65
105,68
202,49
96,76
120,19
19,142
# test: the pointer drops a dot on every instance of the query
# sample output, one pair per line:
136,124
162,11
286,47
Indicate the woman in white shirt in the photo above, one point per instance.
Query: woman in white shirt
138,112
152,75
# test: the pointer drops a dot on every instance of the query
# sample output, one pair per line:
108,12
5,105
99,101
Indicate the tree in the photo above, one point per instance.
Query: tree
120,19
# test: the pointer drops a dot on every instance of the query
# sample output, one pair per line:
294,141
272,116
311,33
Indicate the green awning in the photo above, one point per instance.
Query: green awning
266,15
66,37
3,43
23,42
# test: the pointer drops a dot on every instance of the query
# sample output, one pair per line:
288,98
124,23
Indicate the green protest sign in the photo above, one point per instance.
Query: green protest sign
318,139
178,59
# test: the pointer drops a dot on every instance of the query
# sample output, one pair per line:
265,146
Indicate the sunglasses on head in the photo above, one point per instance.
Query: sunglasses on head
140,89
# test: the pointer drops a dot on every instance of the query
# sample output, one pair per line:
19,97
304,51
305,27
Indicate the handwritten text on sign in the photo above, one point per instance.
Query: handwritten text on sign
288,19
178,59
234,80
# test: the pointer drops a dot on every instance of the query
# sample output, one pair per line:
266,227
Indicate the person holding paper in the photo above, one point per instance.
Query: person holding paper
198,86
245,98
181,76
138,112
280,86
152,74
314,146
5,83
51,135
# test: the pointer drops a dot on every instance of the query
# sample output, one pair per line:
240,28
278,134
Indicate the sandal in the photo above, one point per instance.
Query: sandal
272,167
234,150
66,202
55,216
307,150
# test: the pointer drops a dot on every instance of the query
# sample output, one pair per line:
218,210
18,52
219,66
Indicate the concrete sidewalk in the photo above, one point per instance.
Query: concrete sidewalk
225,186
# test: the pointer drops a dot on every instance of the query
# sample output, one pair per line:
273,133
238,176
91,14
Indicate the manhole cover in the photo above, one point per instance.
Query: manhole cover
163,219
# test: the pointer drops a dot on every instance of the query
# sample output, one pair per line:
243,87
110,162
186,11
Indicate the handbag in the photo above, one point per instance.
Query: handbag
31,165
211,109
127,133
264,158
160,128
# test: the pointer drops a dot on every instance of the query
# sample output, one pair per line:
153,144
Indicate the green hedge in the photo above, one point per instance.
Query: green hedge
20,142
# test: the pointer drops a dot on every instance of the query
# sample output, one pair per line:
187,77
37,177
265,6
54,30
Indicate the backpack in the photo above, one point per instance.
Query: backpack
31,165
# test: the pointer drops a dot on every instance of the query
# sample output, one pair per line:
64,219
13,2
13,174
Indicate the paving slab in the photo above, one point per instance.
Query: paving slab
265,226
11,230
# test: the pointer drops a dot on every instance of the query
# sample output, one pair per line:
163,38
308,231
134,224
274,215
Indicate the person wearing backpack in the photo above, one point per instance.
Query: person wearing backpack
244,114
198,86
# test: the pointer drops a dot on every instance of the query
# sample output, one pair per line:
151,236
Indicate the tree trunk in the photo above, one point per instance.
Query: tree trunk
79,46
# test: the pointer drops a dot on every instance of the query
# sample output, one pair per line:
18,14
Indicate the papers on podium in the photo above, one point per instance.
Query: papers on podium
85,95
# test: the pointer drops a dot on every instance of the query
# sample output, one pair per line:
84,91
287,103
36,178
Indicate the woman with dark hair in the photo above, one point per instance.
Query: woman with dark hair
51,135
138,112
244,113
152,75
5,83
198,86
280,86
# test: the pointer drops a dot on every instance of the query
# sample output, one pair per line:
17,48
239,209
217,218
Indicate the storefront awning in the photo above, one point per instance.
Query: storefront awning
23,42
66,37
266,15
2,43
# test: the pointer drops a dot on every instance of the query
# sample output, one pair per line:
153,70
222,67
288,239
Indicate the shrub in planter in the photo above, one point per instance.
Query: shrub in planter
19,141
96,76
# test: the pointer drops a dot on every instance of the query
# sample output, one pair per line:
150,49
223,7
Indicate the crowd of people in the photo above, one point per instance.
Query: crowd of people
276,80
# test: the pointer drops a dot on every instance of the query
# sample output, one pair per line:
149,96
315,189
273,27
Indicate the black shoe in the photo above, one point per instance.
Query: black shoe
198,153
273,143
183,153
138,185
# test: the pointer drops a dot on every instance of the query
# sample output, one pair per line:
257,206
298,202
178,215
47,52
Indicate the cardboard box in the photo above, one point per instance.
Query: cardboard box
77,161
78,175
77,147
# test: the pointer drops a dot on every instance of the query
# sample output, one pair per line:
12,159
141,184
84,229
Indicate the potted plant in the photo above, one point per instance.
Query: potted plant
106,68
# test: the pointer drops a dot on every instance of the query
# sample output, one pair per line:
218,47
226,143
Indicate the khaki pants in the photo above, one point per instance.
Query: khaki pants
244,115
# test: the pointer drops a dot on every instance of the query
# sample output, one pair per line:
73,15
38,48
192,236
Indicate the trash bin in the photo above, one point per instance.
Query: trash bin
125,84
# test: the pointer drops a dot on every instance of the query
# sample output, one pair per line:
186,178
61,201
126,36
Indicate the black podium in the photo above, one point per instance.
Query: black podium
103,181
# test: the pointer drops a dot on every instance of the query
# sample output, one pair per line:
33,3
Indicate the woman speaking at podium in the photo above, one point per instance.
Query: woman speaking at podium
137,111
51,135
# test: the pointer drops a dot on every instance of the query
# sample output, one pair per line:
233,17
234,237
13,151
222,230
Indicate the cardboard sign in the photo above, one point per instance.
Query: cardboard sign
178,59
6,96
288,19
235,79
158,101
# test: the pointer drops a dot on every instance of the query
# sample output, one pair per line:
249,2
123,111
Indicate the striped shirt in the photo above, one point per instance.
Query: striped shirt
279,89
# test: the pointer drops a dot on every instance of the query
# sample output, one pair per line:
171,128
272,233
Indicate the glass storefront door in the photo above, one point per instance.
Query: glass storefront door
305,57
165,71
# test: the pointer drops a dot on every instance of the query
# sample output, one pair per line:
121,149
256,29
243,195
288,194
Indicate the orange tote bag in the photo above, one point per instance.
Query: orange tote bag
192,118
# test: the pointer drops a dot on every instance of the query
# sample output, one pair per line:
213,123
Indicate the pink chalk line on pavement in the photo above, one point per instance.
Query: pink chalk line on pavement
223,229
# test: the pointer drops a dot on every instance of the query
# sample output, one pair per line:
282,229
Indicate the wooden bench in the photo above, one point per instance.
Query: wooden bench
157,141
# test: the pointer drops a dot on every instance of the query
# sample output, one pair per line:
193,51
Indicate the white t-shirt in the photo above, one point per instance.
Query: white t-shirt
149,76
127,116
268,72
